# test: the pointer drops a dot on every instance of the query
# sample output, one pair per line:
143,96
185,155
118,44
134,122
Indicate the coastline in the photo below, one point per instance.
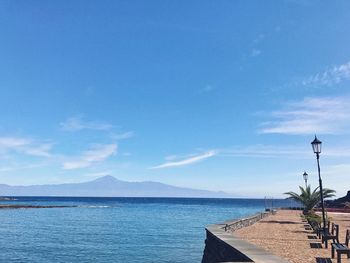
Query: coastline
5,206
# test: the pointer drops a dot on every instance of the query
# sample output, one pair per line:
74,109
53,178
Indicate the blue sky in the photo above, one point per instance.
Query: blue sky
218,95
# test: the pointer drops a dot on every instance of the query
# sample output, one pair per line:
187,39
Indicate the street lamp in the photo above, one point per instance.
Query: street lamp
316,146
305,175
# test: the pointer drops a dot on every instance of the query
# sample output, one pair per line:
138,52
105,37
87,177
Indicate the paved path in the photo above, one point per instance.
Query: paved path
285,235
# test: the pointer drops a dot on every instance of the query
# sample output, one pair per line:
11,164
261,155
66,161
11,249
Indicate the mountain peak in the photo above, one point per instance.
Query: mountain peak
106,178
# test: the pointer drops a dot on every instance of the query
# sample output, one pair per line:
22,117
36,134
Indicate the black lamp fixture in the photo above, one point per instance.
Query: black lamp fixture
305,176
316,146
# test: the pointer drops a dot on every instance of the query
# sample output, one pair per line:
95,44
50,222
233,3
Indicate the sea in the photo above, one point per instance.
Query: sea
125,230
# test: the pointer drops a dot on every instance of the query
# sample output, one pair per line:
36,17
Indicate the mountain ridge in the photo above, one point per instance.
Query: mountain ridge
109,186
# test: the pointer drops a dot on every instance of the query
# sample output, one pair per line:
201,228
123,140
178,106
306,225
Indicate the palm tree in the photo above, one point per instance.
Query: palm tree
310,199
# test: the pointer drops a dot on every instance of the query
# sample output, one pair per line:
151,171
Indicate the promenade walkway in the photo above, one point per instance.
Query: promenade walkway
285,235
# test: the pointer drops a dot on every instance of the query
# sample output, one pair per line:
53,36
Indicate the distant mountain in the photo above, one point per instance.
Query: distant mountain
108,186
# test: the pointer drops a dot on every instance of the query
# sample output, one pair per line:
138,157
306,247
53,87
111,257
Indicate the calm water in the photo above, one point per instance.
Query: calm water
116,229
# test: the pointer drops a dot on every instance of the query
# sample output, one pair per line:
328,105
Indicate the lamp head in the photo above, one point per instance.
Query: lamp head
316,145
305,175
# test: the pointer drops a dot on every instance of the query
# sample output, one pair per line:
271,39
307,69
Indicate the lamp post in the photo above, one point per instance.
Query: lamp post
316,146
305,175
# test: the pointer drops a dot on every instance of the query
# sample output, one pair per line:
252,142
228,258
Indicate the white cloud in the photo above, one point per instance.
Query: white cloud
336,152
17,166
77,123
187,161
90,157
329,77
255,52
42,150
122,136
25,146
266,151
310,116
13,142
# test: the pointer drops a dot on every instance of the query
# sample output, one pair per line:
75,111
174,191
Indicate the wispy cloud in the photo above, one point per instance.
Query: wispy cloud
95,155
266,151
310,116
15,167
281,151
257,41
259,38
122,136
337,151
13,142
25,146
255,52
77,123
42,150
329,77
187,161
302,151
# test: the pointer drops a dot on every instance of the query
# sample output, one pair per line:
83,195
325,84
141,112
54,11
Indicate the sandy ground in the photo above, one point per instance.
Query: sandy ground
285,235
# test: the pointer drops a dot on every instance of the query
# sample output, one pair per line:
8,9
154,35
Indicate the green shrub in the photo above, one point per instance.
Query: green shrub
313,218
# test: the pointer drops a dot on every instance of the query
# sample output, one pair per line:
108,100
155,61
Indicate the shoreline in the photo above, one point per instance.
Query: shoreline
5,206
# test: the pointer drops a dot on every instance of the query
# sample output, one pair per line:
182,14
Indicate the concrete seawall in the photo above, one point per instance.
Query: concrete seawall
221,245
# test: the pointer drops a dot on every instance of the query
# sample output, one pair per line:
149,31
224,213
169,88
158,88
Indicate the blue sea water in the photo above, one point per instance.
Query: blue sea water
116,229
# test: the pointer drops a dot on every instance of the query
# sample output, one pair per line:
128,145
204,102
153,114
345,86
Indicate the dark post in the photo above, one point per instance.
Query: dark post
316,146
321,191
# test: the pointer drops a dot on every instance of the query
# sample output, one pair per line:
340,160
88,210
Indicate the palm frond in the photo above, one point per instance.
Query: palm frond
309,199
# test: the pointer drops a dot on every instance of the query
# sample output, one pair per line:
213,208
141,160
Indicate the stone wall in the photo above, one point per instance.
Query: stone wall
221,245
238,224
217,250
